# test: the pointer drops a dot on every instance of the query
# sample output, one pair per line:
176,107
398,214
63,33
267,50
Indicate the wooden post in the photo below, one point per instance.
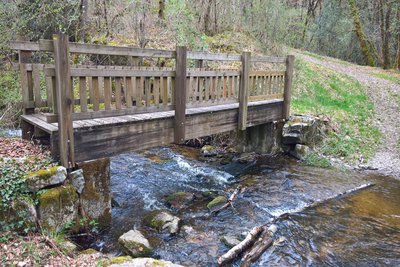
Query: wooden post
26,81
244,91
64,100
288,86
180,95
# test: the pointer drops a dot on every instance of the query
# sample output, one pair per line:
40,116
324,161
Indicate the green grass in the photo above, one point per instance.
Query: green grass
387,77
321,91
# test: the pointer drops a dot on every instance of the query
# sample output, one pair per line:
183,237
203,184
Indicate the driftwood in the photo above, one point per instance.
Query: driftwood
242,246
264,238
260,246
232,198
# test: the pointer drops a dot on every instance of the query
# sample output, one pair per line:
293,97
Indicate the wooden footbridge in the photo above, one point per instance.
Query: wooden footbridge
125,98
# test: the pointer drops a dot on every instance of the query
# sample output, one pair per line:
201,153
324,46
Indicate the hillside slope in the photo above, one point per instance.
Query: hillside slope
383,89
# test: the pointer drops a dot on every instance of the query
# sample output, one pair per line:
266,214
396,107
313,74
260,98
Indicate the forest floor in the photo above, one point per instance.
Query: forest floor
383,89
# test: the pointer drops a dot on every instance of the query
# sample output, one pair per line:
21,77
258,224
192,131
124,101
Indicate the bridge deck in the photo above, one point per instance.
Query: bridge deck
101,137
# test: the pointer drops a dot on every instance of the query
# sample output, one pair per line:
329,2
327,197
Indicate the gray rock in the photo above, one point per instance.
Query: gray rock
57,207
135,244
300,152
145,262
230,241
77,180
68,247
96,195
45,178
209,151
301,129
179,200
247,157
21,209
162,221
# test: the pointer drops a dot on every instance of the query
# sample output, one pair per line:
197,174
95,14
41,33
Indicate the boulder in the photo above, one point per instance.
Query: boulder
179,200
57,207
230,241
217,202
245,158
209,151
45,178
162,221
68,247
146,262
135,244
96,194
301,129
77,180
21,210
300,151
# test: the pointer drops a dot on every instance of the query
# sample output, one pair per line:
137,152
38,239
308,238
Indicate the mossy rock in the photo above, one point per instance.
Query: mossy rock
135,244
216,202
179,200
162,221
146,262
89,251
117,260
57,207
45,178
21,213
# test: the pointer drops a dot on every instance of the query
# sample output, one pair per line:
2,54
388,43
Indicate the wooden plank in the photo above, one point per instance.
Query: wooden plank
156,92
96,93
268,59
118,93
36,86
107,93
265,97
128,92
64,100
147,87
81,48
180,95
27,86
266,73
49,91
115,72
139,91
288,86
201,89
24,86
24,45
212,73
164,90
243,91
212,56
83,94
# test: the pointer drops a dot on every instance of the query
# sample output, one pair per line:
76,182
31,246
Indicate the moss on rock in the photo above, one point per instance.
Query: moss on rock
179,199
45,178
218,201
57,207
117,260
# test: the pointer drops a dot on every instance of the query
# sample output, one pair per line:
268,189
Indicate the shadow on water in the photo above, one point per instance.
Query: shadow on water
362,229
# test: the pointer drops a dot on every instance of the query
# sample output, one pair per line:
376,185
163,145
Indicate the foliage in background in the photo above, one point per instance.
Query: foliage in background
321,91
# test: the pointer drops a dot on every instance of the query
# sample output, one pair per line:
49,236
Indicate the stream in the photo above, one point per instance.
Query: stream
361,229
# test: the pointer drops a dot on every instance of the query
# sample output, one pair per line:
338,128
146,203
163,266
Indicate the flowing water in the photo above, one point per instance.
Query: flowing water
361,229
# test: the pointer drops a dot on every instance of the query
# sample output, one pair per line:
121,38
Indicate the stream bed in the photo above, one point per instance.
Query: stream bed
362,229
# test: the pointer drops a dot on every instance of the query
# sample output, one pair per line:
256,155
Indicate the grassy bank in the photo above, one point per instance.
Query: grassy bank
340,99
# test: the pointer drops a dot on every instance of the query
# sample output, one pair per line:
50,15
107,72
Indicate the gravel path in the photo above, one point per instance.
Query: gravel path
383,94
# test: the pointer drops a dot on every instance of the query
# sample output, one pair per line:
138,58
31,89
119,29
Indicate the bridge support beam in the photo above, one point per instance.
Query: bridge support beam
244,91
264,138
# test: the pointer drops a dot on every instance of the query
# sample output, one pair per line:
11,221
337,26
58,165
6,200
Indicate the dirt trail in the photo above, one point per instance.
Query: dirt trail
386,97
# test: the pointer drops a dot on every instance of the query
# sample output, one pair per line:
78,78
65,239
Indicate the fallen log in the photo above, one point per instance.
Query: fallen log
232,198
259,247
265,243
242,246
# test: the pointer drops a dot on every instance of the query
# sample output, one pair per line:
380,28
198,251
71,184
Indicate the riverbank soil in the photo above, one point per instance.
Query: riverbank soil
384,91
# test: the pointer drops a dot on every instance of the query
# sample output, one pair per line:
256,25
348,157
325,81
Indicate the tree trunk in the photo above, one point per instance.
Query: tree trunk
83,19
385,32
207,18
161,8
398,39
365,49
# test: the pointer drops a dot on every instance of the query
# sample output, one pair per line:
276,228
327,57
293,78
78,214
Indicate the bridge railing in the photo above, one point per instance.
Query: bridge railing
61,91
